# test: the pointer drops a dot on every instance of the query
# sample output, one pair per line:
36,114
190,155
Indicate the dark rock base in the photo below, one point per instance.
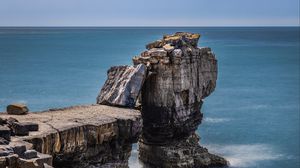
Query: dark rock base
183,154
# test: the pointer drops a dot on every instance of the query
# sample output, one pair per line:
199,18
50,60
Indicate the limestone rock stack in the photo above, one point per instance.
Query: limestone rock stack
179,76
177,82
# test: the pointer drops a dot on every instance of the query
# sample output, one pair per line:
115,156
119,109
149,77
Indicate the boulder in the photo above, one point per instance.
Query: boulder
123,85
3,141
29,154
18,129
37,162
157,52
155,44
5,133
6,150
17,109
3,121
18,148
168,48
31,126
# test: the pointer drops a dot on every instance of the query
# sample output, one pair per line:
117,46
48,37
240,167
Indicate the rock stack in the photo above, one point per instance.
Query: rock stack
179,76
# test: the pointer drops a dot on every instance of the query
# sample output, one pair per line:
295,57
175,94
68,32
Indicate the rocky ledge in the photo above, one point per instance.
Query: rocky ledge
77,137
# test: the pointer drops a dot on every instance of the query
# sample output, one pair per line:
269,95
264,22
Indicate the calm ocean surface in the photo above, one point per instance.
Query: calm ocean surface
252,118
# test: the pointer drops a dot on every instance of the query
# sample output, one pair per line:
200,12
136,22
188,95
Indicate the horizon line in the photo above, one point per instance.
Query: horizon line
87,26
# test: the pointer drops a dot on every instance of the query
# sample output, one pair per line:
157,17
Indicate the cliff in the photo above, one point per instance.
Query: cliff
79,136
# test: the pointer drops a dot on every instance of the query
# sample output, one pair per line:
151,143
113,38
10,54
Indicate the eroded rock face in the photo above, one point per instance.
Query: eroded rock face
76,137
122,86
179,78
184,153
173,92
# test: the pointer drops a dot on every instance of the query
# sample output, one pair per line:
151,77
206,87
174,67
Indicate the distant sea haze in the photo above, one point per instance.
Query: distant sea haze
252,118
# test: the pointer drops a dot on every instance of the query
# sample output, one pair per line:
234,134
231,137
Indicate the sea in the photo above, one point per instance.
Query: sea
252,118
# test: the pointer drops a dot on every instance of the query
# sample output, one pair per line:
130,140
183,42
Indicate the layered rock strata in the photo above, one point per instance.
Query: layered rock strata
180,154
123,85
79,136
180,76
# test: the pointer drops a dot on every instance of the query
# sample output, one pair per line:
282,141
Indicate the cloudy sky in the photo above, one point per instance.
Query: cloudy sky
149,12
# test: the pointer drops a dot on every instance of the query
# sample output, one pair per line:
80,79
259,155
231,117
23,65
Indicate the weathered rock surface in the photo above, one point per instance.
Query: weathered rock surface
16,155
3,141
5,132
12,127
122,86
17,109
179,76
30,126
29,154
79,136
18,129
173,92
171,99
179,154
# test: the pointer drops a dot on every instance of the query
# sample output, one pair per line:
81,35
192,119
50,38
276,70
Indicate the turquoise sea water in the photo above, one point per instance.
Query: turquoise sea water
252,118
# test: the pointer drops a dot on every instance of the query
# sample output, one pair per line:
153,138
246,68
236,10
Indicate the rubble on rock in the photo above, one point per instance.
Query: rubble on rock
18,154
14,153
79,136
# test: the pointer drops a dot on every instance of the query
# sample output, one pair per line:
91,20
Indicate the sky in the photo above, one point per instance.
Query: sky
149,12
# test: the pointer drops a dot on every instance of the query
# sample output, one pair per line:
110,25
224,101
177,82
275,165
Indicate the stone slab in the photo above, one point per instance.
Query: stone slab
123,85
